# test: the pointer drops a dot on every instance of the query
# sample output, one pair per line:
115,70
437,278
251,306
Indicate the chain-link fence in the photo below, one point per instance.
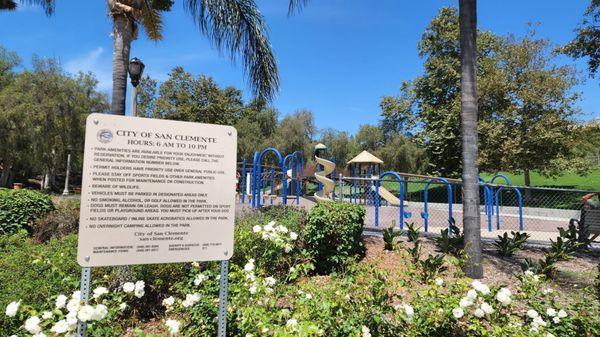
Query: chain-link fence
433,204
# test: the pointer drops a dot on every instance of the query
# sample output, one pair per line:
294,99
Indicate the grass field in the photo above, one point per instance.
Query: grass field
566,180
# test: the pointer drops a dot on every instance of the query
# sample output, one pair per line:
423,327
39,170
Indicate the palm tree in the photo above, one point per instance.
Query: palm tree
468,116
11,5
234,26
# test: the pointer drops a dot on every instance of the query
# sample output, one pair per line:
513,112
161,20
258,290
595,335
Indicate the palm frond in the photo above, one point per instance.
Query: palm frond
47,5
7,5
151,19
296,6
237,27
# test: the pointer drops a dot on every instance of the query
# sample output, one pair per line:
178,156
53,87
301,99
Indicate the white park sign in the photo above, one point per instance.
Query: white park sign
156,191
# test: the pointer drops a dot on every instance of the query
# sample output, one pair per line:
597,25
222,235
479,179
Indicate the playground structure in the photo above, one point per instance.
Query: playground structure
326,185
394,198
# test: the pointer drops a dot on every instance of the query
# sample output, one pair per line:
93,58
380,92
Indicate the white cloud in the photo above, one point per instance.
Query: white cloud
95,61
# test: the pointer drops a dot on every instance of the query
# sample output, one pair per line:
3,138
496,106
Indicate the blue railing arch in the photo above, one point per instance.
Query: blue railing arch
488,200
402,184
257,168
425,213
500,175
291,160
520,205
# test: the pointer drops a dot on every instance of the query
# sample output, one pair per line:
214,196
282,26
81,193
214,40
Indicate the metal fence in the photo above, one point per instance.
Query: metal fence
433,204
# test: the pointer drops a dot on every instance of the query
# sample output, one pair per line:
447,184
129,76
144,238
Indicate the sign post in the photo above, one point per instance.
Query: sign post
156,191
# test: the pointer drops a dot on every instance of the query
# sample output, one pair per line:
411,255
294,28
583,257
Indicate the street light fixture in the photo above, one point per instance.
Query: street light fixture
135,69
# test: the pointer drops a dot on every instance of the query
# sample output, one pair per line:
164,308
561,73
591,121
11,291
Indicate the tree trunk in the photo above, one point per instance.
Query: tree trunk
527,178
123,35
468,115
5,175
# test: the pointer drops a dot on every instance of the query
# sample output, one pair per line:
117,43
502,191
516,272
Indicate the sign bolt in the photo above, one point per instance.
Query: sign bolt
87,259
229,133
96,121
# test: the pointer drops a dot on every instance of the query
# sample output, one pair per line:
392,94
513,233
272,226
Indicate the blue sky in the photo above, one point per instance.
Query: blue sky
337,58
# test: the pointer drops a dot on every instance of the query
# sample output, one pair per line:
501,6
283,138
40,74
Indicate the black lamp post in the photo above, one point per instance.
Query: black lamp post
135,69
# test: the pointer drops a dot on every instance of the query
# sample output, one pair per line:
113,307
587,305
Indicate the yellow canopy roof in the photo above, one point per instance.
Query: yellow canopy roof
365,157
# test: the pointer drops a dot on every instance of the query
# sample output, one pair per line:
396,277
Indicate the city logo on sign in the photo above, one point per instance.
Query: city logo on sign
104,136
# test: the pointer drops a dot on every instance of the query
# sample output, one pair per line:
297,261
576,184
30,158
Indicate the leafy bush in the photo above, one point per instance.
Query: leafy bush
447,243
390,236
272,236
507,246
64,220
333,235
413,232
431,267
578,232
19,207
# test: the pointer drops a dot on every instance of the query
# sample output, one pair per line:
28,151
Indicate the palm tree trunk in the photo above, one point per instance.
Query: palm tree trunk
123,35
468,115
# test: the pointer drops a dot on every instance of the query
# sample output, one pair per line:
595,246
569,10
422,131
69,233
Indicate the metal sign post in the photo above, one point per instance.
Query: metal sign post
86,278
223,299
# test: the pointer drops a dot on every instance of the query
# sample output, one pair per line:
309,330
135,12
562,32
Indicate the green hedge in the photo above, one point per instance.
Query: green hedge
19,207
333,235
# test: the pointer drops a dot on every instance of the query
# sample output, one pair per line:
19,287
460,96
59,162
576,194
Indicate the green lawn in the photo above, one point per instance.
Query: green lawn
566,180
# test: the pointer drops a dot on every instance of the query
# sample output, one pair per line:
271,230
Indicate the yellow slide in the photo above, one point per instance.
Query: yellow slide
388,196
328,185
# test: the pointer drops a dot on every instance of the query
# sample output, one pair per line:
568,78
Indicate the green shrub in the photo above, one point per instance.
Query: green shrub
390,236
19,207
271,236
64,220
447,243
333,235
507,246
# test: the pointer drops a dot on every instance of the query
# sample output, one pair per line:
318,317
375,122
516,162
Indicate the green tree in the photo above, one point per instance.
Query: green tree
340,145
369,138
43,112
295,133
199,99
587,41
430,105
401,154
536,125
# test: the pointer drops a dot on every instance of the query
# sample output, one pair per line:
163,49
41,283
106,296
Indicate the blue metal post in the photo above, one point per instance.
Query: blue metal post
284,183
354,175
243,183
377,203
272,182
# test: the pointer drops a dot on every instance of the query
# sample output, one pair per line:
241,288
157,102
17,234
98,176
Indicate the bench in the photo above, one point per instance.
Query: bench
590,220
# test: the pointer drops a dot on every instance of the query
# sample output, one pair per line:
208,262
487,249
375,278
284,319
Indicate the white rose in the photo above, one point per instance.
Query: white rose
282,229
471,294
47,315
465,302
39,334
60,327
556,320
269,226
85,313
128,287
172,326
532,313
32,325
72,320
487,308
249,266
100,312
61,301
562,313
73,305
548,334
439,281
293,236
122,306
458,313
256,229
409,310
252,289
270,281
528,273
365,332
479,313
76,295
199,279
12,308
551,312
99,292
168,302
291,322
288,248
503,298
